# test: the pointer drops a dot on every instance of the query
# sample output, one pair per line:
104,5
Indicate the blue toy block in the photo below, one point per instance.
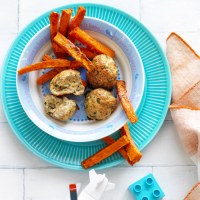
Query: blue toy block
146,188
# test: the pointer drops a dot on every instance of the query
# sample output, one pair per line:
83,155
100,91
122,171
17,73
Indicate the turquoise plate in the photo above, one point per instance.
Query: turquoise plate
151,112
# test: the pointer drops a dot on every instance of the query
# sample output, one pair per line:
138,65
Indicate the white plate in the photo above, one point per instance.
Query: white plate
79,128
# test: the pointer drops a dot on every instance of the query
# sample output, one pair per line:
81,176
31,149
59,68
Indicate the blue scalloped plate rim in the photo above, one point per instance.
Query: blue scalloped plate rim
151,112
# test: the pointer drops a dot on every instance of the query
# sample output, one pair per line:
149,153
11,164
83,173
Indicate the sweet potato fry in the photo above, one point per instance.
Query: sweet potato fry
125,102
75,64
122,151
50,74
64,21
78,18
133,153
105,152
73,51
47,76
45,64
54,24
90,42
88,53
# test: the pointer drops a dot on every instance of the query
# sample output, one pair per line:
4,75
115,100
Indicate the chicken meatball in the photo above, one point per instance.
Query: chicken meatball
104,74
59,108
67,82
100,104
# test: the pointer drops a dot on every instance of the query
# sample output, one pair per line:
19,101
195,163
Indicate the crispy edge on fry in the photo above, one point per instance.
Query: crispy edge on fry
125,102
88,53
132,151
105,152
54,63
78,18
90,42
84,83
122,151
73,51
64,21
46,57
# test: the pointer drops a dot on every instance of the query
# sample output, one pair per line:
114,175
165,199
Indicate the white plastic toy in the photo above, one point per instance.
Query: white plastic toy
97,186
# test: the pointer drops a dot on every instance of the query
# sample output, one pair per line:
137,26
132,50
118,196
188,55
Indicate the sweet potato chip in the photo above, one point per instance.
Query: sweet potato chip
45,64
122,151
78,18
47,76
90,42
105,152
125,102
73,51
133,153
64,21
54,24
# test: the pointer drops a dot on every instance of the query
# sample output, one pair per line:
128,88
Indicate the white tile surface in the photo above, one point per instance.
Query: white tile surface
29,10
53,183
171,15
9,16
11,184
175,181
165,155
165,149
13,154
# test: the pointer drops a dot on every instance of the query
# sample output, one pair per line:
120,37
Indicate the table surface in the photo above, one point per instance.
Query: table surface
25,176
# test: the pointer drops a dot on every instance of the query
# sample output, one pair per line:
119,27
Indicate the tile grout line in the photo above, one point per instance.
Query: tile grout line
23,183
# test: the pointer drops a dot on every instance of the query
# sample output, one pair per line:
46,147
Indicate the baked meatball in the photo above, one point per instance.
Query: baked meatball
67,82
100,104
59,108
104,74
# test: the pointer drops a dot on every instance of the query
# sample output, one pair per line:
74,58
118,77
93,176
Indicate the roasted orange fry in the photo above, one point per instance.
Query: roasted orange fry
88,53
90,42
78,18
73,51
50,74
47,76
132,151
122,151
75,64
45,64
105,152
64,21
125,102
54,23
46,57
